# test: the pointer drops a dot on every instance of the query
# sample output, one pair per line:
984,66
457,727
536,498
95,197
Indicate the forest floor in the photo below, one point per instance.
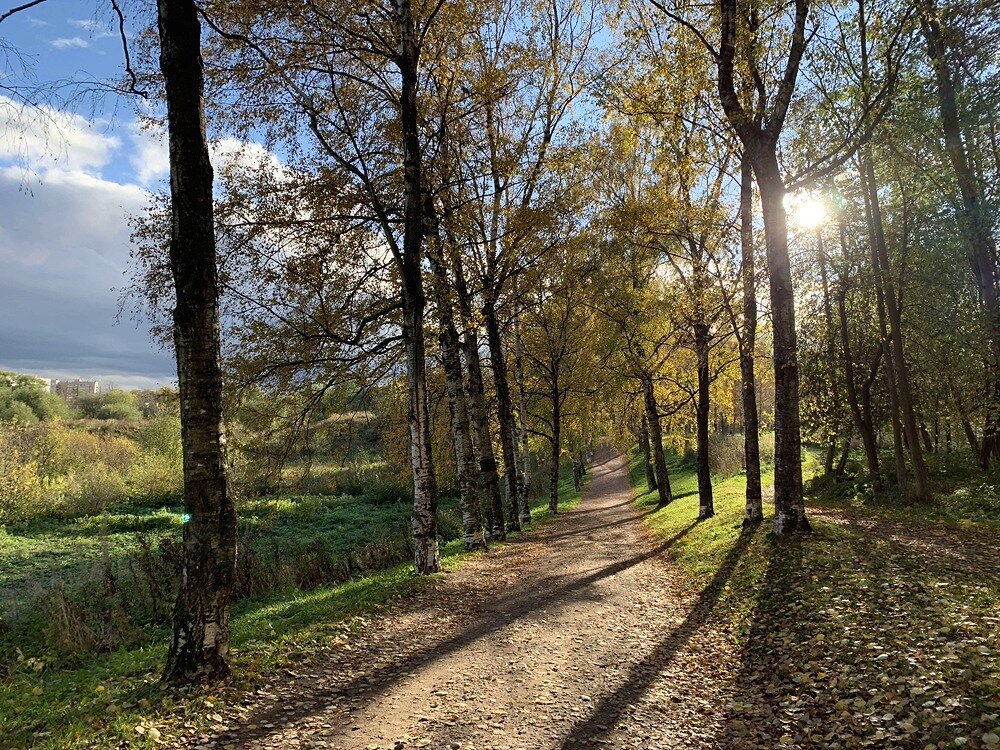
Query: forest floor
579,634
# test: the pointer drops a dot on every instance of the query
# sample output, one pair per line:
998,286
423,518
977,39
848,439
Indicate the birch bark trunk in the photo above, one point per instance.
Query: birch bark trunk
748,342
656,442
199,645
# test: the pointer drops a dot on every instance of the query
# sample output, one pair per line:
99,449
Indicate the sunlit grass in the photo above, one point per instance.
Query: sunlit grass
877,642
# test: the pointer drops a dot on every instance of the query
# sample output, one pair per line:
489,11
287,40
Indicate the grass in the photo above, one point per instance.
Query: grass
963,495
115,700
847,638
55,604
33,554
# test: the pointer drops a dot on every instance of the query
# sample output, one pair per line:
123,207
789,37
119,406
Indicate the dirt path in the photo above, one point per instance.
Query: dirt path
579,634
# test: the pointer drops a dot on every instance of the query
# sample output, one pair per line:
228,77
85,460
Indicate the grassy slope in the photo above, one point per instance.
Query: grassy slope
848,639
964,496
102,702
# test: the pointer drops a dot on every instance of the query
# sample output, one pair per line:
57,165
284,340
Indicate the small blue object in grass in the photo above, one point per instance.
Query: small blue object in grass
185,518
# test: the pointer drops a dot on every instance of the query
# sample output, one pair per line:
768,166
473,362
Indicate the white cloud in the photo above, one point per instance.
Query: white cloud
95,29
150,158
64,248
65,240
233,154
40,138
68,209
87,24
64,42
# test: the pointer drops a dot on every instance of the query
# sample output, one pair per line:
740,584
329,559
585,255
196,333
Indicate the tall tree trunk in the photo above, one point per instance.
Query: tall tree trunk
646,458
480,419
465,456
963,415
867,411
522,418
706,504
748,343
829,456
790,513
883,273
505,415
479,409
426,555
975,222
760,136
556,444
844,455
199,646
829,355
926,437
862,416
656,442
890,378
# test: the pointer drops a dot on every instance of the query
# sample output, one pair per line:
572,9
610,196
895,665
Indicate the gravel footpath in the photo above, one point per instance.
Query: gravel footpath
578,634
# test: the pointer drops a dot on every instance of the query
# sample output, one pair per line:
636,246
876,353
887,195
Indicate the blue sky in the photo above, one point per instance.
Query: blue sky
70,179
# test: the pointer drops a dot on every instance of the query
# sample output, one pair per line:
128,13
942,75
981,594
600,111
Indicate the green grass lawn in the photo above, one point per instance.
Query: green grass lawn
847,638
296,542
109,699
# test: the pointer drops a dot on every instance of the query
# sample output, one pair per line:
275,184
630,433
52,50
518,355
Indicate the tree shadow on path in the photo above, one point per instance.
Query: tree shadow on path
495,615
642,675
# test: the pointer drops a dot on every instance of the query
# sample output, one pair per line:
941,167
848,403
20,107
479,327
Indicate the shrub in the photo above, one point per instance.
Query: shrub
157,476
86,621
18,411
20,488
111,605
155,479
726,456
67,451
24,491
121,405
27,400
373,479
94,489
162,435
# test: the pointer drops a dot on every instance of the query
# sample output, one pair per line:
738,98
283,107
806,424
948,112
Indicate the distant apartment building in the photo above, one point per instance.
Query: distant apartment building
70,390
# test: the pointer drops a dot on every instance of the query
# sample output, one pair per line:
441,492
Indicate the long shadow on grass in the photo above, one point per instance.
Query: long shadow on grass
781,575
884,622
608,712
497,614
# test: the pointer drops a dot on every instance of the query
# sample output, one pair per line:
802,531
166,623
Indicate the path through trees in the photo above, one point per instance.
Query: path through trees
577,632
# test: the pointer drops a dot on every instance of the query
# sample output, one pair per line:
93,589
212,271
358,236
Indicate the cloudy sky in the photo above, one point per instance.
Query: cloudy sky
69,183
